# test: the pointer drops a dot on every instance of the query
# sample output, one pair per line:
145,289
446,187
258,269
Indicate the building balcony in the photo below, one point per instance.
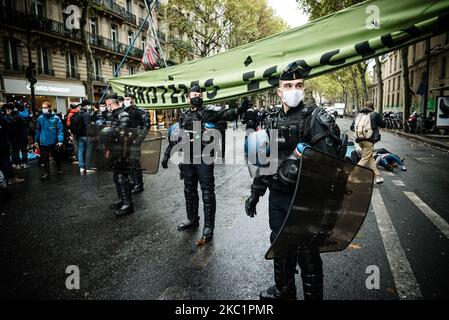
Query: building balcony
118,10
16,68
99,78
45,71
52,27
146,26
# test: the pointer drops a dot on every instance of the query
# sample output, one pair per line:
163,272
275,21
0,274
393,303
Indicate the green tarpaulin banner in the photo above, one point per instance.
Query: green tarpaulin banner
346,37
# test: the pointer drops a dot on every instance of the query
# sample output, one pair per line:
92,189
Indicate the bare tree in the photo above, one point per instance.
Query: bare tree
355,89
362,66
86,7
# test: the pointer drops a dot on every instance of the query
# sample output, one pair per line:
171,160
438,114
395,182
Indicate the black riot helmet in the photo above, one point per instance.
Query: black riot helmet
293,72
129,94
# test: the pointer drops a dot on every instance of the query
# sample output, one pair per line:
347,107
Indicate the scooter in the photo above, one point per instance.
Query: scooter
412,121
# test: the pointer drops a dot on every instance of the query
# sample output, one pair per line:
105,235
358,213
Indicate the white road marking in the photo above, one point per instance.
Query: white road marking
391,174
404,278
398,183
425,159
439,222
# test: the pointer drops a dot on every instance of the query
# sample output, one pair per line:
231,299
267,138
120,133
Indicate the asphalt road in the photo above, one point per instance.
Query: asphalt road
46,227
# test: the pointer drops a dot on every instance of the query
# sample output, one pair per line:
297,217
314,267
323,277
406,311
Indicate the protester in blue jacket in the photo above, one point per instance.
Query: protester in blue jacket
50,137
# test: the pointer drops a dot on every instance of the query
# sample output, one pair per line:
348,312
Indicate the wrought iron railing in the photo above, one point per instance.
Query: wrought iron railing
146,25
45,71
14,67
48,26
117,9
73,75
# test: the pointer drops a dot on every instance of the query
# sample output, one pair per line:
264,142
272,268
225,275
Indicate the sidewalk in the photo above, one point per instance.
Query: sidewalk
438,141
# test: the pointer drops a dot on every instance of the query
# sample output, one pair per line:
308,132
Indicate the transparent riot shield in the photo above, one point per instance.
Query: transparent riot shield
328,207
124,149
151,152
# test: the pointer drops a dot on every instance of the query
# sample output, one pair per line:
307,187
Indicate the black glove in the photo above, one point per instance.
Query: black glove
251,119
165,162
246,104
250,204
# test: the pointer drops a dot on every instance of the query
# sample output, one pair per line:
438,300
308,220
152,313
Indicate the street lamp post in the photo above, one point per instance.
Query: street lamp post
31,69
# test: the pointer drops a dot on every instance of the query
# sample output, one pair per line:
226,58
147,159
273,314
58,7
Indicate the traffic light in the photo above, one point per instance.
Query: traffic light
30,73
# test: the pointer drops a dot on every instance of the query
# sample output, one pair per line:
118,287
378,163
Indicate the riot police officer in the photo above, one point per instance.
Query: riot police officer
195,169
140,120
116,139
299,123
100,116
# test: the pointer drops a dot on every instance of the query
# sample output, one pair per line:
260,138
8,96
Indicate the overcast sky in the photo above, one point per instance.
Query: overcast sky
288,10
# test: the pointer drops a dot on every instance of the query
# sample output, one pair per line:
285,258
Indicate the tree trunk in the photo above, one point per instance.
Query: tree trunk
362,71
380,86
355,89
87,51
405,77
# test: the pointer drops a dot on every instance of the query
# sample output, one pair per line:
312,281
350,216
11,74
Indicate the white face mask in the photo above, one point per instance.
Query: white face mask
293,97
127,103
102,109
44,110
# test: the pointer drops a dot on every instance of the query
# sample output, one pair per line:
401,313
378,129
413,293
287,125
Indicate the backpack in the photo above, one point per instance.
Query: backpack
362,126
77,124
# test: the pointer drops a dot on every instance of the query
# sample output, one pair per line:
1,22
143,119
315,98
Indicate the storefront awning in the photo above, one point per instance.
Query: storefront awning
44,88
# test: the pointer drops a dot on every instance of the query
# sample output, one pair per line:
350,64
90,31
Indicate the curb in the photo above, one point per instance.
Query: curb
414,137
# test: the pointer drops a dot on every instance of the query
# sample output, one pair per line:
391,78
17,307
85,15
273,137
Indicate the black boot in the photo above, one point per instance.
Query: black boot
193,219
138,188
284,278
311,265
209,214
208,234
312,285
127,206
116,204
189,224
138,180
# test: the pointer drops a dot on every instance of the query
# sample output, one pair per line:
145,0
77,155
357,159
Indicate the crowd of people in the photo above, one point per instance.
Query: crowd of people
24,138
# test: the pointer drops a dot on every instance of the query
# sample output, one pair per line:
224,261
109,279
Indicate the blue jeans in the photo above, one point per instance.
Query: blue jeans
391,158
84,152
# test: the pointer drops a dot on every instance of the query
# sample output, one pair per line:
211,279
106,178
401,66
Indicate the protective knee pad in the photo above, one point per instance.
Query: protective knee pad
310,261
122,179
209,197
